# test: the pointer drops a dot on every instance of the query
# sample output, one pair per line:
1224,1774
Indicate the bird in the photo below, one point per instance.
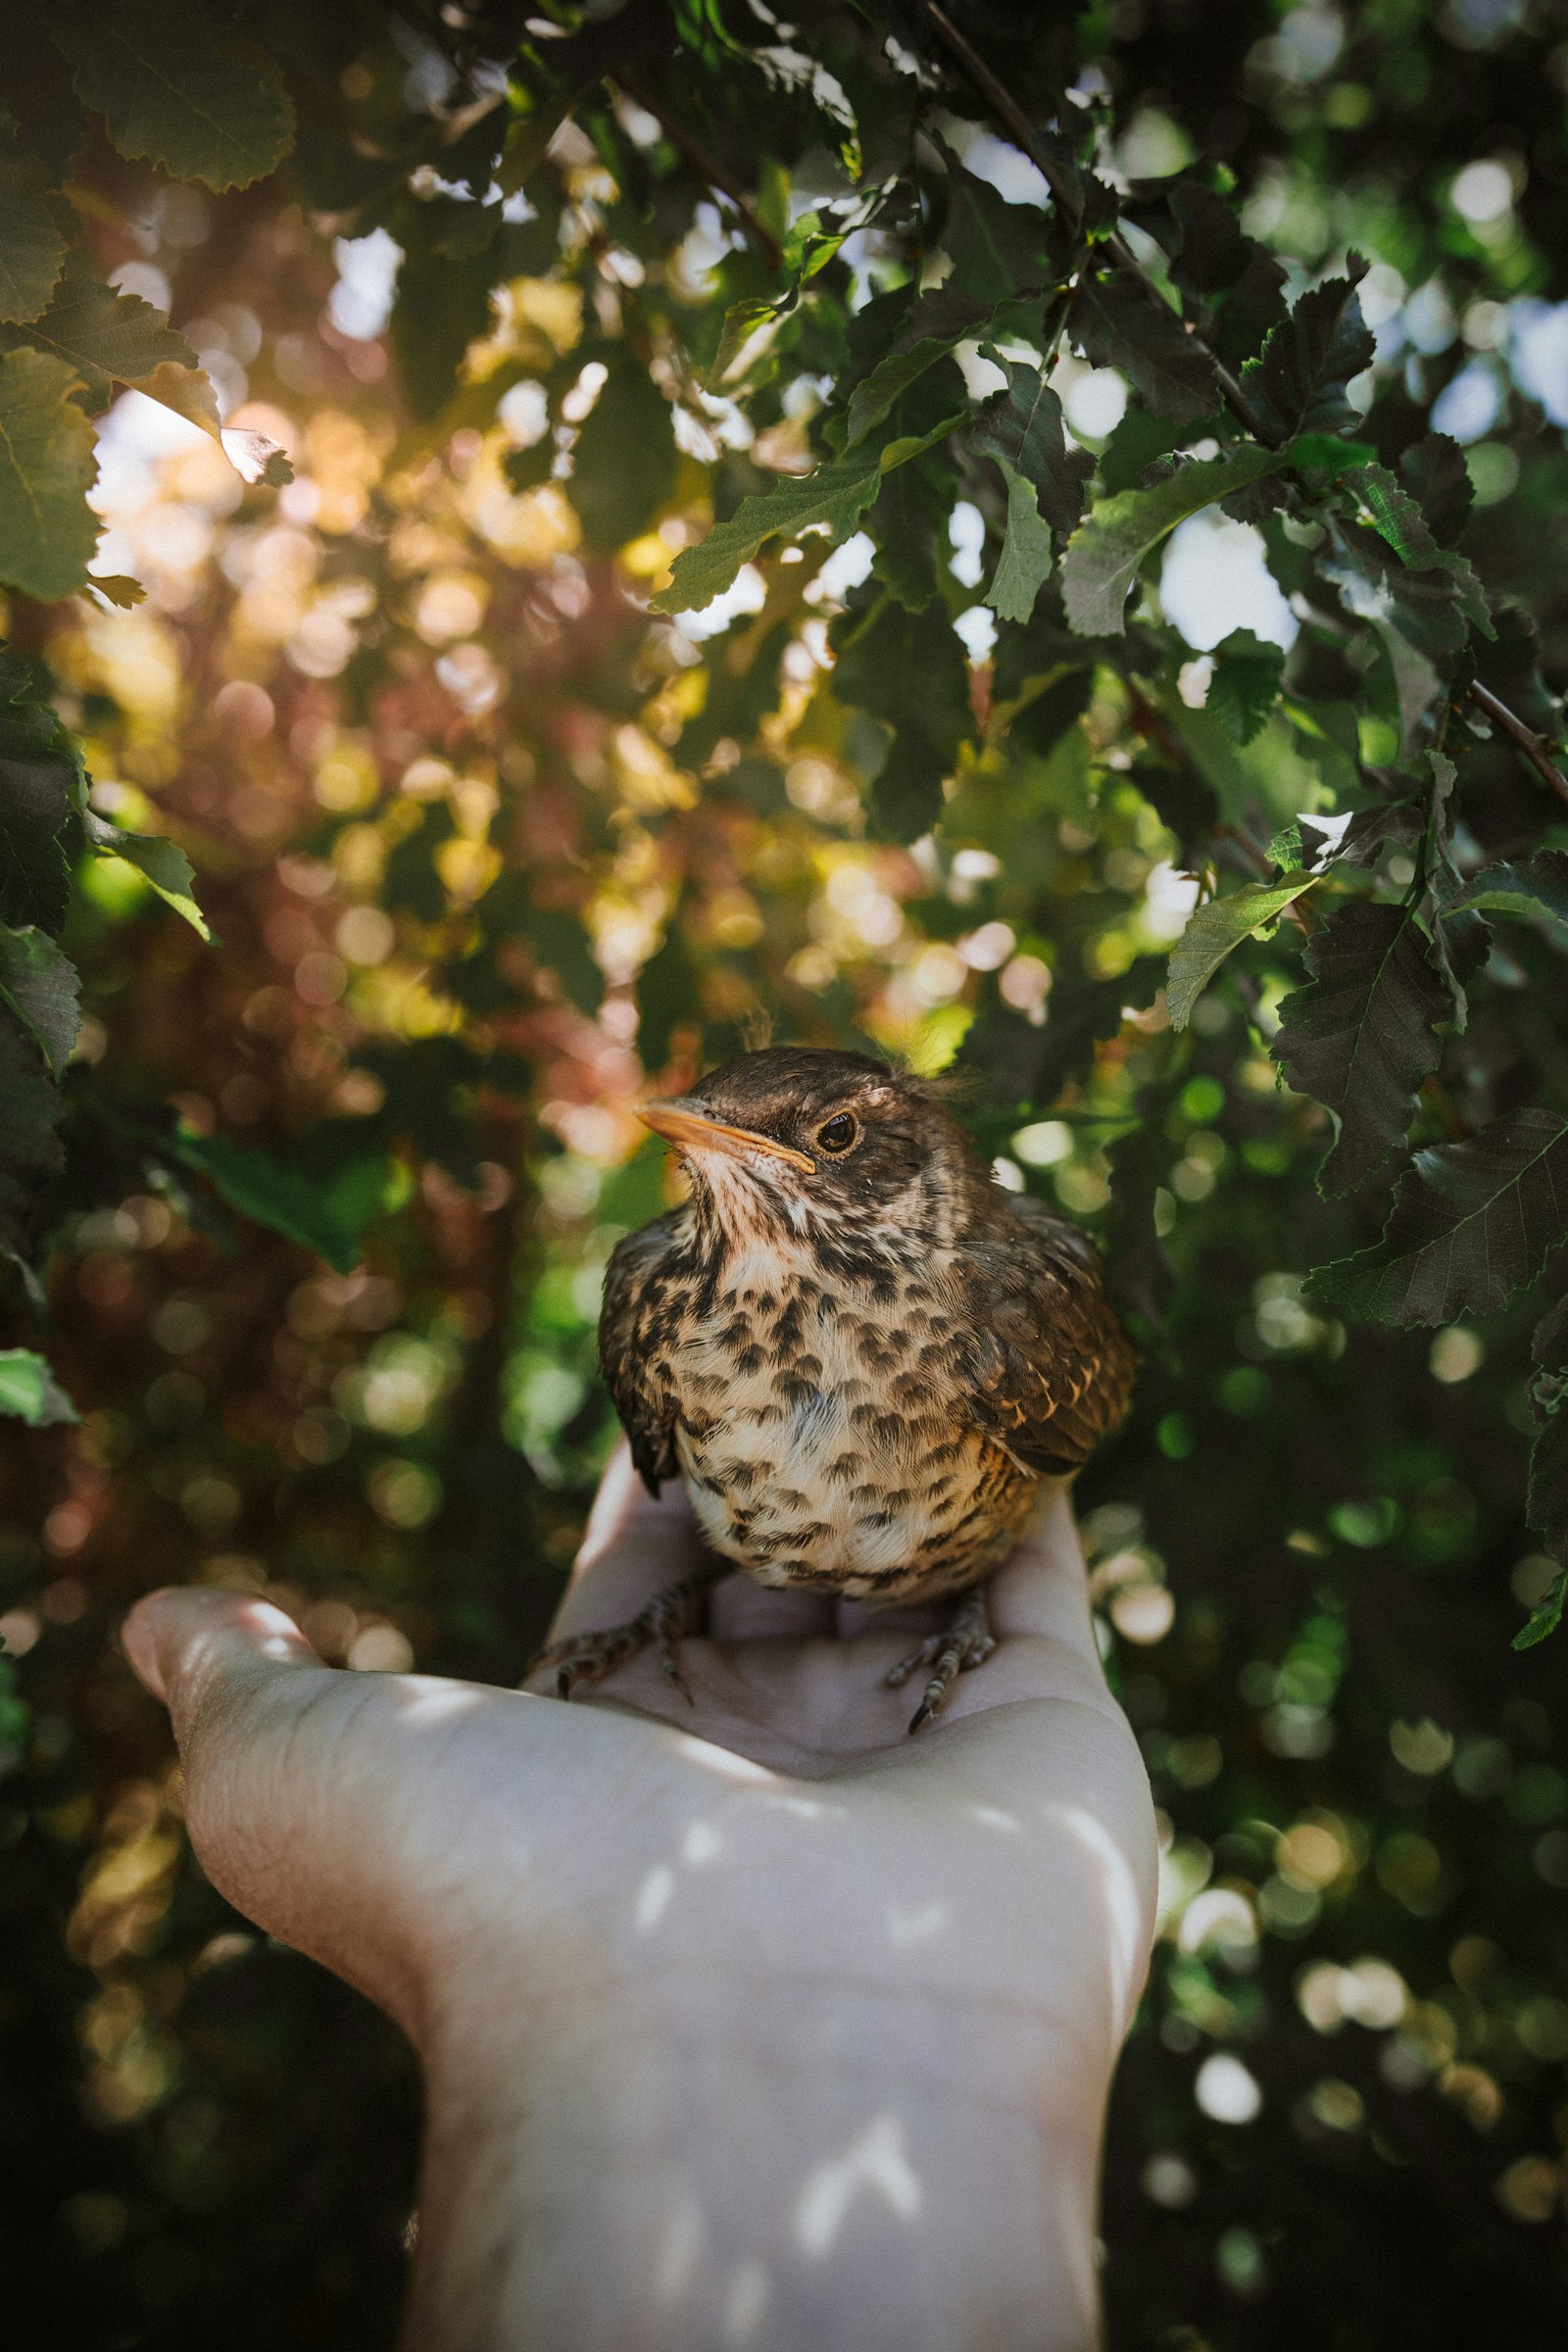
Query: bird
859,1352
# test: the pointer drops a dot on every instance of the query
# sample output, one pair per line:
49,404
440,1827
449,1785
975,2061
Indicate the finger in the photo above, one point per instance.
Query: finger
181,1642
1041,1587
743,1611
289,1815
634,1545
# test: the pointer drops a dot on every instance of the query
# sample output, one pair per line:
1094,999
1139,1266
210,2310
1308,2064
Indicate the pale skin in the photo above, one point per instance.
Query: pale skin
751,2022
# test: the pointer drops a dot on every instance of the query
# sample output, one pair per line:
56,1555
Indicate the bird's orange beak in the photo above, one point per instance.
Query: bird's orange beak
691,1127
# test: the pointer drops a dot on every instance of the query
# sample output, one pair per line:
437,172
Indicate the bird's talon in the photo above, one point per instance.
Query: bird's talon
967,1643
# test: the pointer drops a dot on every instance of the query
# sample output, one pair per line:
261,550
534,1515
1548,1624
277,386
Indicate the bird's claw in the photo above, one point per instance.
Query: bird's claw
967,1643
588,1657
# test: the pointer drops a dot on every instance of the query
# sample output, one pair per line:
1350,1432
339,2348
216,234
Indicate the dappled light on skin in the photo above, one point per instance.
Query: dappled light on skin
1127,1911
652,1898
906,1927
746,2303
875,2167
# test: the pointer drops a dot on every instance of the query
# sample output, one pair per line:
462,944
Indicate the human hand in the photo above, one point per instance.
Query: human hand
749,2021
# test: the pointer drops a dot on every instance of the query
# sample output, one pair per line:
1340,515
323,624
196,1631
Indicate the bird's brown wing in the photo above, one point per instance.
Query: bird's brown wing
636,1324
1051,1367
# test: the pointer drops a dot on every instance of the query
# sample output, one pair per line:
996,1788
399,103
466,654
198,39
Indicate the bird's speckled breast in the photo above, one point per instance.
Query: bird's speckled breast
821,1438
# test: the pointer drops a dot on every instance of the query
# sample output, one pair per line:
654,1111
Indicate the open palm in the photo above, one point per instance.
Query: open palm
622,1901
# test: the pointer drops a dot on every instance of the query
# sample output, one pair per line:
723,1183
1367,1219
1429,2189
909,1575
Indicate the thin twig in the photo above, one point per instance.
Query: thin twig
1525,737
707,166
1015,123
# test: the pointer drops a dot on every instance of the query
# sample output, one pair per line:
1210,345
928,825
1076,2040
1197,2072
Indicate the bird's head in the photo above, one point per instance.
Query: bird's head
798,1139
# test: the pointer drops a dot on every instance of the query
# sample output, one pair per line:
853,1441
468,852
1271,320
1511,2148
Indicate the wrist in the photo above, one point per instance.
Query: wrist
808,2160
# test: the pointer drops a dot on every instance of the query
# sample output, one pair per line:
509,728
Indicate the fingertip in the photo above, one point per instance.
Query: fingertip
175,1635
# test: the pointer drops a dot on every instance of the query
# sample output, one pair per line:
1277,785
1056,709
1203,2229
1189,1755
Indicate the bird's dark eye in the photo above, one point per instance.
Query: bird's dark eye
839,1133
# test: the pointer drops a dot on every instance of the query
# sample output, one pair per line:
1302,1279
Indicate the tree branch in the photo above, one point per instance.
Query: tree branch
707,166
1513,726
1015,123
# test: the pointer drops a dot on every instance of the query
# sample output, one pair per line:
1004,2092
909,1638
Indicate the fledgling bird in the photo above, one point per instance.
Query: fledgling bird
859,1352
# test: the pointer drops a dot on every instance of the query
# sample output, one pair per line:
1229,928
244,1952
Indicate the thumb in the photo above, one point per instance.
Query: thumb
285,1794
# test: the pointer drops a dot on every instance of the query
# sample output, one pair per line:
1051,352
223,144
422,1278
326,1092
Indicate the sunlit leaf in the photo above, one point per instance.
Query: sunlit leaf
29,1391
1105,552
159,860
106,338
937,324
48,467
1534,885
834,496
1214,929
1027,552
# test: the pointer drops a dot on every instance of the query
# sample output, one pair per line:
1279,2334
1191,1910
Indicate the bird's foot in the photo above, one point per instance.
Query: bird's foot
967,1643
588,1657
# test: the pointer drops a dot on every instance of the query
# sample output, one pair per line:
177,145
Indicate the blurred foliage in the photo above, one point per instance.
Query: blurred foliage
560,338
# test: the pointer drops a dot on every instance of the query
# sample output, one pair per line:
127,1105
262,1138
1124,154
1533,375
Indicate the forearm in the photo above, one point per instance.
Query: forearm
815,2166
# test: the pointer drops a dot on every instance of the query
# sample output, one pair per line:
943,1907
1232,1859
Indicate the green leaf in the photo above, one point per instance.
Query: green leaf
1104,553
30,1148
107,338
999,249
907,670
34,871
939,321
1120,328
330,1219
30,1392
741,323
1026,552
625,460
1471,1222
1021,427
1546,1500
1535,886
48,467
1296,383
835,496
1396,519
1548,1466
1214,929
1434,474
160,861
177,90
42,989
32,243
1246,684
1362,1037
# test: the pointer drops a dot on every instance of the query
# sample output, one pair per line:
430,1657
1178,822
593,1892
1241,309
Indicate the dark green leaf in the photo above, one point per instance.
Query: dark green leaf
330,1220
48,467
29,1147
34,874
1436,475
1537,886
1022,429
29,1391
1547,1502
625,460
999,249
1396,519
41,988
32,243
1105,552
1119,326
907,670
1214,929
1296,383
941,320
1363,1036
177,90
1246,684
1471,1222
